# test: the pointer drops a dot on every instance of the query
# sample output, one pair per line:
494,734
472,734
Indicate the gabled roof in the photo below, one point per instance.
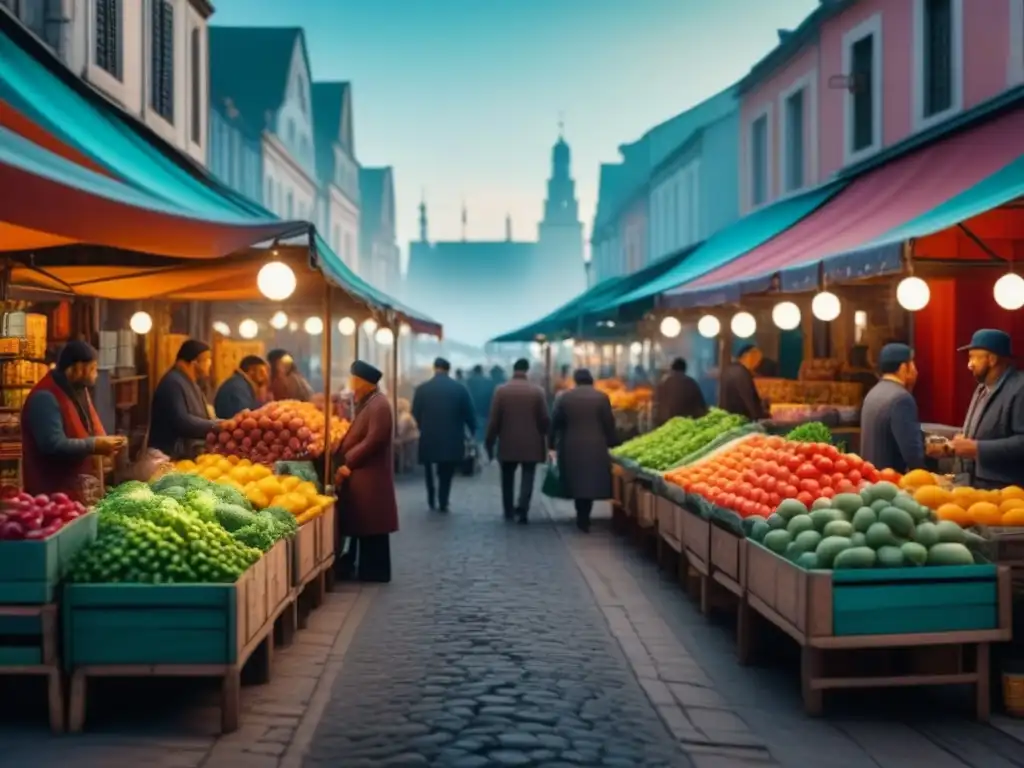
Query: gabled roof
375,187
332,121
250,67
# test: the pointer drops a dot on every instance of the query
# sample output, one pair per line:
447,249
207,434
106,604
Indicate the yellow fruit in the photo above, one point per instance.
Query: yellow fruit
245,463
1013,492
932,496
240,473
1009,504
233,460
985,513
290,482
256,497
964,496
207,459
324,501
228,480
293,502
918,477
954,513
270,486
307,489
185,465
212,473
259,471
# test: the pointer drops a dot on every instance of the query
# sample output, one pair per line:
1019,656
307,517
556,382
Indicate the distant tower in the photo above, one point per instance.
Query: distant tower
561,207
508,227
560,234
464,218
423,218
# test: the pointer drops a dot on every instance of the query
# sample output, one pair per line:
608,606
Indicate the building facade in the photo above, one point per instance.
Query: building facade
860,76
379,257
150,57
338,203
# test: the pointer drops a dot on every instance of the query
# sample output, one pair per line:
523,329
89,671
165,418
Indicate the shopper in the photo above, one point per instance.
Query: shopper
366,481
61,434
481,390
241,390
286,382
519,424
678,394
444,412
737,391
890,430
180,417
582,432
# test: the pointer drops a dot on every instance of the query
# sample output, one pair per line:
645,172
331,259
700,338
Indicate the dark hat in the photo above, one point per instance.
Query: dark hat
894,355
191,350
75,352
522,364
990,340
582,377
743,349
441,364
363,370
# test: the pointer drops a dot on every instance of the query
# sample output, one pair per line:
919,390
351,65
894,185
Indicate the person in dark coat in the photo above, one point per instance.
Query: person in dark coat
444,413
991,449
286,383
519,424
181,417
481,390
737,392
679,395
890,430
241,390
582,432
368,508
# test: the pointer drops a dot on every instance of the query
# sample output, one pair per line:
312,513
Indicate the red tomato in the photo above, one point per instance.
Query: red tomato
789,491
812,487
846,486
748,508
823,464
830,451
806,470
750,476
842,465
774,500
854,476
806,498
793,463
828,493
837,478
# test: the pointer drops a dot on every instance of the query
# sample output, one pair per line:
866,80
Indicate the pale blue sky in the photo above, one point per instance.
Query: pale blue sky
462,97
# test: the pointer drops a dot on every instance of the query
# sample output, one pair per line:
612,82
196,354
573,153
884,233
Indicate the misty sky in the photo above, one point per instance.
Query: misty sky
462,97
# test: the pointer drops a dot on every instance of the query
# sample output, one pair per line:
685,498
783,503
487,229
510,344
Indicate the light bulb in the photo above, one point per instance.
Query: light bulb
347,326
568,343
370,325
709,326
279,320
786,315
743,325
636,348
913,294
826,306
385,337
314,326
248,328
141,323
404,329
534,349
276,280
293,326
1009,291
222,328
670,327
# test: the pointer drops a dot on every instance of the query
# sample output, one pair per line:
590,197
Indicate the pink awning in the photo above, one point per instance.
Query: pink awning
881,200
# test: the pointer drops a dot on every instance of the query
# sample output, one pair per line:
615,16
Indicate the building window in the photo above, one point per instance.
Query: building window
197,73
291,132
938,59
759,160
161,85
269,202
336,239
289,206
348,250
1016,42
862,63
108,45
300,90
793,136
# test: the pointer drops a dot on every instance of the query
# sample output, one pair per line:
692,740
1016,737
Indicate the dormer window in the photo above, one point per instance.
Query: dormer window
107,45
161,85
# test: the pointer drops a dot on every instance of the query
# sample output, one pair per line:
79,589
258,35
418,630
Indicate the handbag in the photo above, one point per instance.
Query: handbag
552,487
471,461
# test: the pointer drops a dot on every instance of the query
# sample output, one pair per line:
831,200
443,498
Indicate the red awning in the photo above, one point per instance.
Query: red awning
881,200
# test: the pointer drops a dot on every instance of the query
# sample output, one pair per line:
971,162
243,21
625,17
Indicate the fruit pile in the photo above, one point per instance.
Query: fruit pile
676,439
284,430
756,474
36,517
881,526
967,506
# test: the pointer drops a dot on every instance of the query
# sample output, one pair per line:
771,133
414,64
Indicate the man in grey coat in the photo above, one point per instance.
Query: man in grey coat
890,430
991,448
181,417
443,410
519,424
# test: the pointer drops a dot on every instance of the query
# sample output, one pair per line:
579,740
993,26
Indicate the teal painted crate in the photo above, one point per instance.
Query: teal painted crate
21,640
30,571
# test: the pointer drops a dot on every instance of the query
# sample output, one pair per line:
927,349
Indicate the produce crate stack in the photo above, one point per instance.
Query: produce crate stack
228,353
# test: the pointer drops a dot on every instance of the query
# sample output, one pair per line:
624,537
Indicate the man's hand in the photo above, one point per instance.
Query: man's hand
965,448
936,450
553,456
344,472
108,446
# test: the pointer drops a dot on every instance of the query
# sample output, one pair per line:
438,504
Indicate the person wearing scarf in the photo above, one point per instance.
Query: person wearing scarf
180,417
241,391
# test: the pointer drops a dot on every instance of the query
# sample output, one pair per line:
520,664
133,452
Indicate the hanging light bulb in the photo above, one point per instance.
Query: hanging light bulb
535,349
670,327
743,325
279,320
276,280
141,323
404,329
568,343
913,294
347,326
826,306
314,326
248,328
385,337
370,325
293,326
222,328
636,348
1009,291
786,315
709,326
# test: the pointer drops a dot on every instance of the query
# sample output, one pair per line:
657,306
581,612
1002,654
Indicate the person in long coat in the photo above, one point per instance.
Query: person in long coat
368,509
444,413
519,424
481,390
582,432
737,391
679,394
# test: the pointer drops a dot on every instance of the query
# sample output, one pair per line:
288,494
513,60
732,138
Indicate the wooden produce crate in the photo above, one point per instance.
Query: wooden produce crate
695,533
305,553
29,646
326,531
30,571
646,515
727,563
168,630
1005,546
940,617
669,524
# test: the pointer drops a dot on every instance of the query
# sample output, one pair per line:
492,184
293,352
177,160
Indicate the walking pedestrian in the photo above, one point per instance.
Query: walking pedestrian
481,390
519,424
582,432
366,481
443,410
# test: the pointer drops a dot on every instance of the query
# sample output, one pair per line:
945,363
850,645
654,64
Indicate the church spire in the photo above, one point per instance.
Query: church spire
423,216
464,218
508,227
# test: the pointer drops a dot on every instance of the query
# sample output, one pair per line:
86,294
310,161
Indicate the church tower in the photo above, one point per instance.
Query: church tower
560,234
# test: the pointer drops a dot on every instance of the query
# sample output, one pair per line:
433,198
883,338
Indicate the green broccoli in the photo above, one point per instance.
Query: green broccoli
180,480
256,535
176,492
284,518
229,495
233,517
203,504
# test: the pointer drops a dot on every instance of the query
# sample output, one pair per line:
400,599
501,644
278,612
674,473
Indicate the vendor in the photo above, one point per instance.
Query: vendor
286,383
241,391
180,417
890,430
61,434
679,394
737,392
991,448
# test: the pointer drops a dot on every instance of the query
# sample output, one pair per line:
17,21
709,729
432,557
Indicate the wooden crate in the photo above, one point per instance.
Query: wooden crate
29,646
696,539
669,523
646,515
304,553
326,532
728,567
30,571
279,576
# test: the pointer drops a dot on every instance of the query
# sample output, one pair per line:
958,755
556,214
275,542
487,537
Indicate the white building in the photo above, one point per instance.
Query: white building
338,171
148,56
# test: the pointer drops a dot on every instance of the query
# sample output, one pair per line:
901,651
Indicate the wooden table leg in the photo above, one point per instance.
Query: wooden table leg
982,690
230,700
810,670
76,706
286,625
55,696
744,631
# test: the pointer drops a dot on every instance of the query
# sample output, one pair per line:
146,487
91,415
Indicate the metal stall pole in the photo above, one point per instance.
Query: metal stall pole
394,374
547,368
326,365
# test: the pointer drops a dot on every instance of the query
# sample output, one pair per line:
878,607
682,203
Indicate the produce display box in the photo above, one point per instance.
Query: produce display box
668,513
30,571
305,553
326,531
646,516
727,558
29,646
1005,546
695,533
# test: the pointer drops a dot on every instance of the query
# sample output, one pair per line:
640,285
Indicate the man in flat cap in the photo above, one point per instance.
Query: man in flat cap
444,412
890,430
991,448
181,417
61,434
368,508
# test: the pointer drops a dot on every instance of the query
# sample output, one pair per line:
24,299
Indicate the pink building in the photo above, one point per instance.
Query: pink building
858,76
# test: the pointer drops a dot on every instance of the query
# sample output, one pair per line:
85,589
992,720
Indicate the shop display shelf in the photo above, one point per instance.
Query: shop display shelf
31,571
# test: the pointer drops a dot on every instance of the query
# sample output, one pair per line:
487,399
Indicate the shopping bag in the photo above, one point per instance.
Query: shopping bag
552,486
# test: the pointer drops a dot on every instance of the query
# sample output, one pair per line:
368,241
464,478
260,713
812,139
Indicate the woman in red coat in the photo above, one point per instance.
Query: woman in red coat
366,481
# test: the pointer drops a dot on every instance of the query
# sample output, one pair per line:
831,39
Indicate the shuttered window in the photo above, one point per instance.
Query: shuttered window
107,48
863,70
161,91
196,86
937,50
795,141
759,161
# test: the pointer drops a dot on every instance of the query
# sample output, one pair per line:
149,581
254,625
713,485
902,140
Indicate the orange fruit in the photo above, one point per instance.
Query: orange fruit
1013,492
985,513
964,496
1007,504
954,513
932,496
918,477
1014,517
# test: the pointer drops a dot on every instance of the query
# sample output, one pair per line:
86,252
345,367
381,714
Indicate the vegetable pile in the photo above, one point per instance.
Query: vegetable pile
36,517
282,430
881,526
812,432
676,439
964,505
